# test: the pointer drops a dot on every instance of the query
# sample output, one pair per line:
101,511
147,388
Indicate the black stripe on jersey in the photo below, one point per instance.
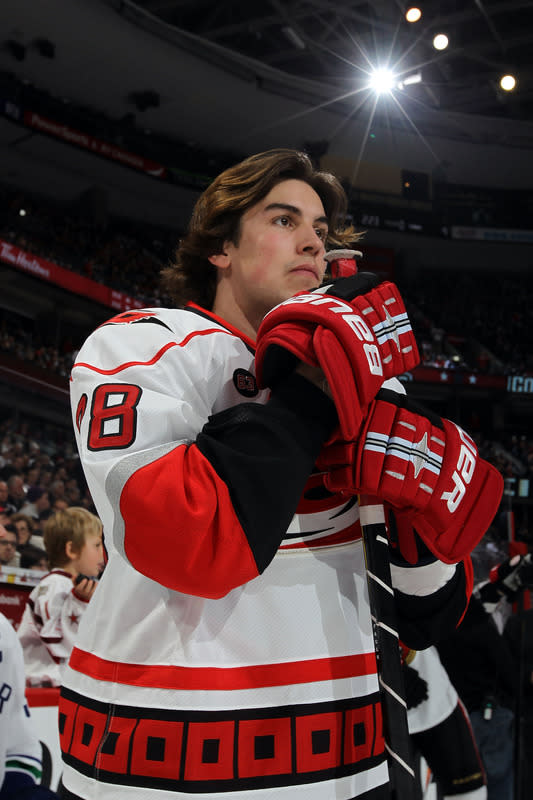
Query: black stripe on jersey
350,504
265,454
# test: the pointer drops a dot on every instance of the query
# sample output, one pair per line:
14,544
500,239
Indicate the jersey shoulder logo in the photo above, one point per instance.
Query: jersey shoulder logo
245,383
135,317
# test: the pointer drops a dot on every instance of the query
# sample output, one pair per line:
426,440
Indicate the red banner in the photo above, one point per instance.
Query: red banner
101,148
71,281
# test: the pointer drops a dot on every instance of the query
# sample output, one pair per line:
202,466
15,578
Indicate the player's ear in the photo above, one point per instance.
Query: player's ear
221,260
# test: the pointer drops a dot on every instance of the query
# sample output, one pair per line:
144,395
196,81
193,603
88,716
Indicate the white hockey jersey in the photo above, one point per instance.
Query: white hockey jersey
20,749
228,650
49,627
442,697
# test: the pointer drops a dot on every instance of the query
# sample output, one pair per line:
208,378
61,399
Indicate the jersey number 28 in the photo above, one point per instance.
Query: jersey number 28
113,422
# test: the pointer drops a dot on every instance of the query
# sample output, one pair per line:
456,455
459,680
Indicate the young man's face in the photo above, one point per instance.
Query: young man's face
280,250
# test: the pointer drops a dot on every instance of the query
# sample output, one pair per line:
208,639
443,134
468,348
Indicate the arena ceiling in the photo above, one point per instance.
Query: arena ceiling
336,42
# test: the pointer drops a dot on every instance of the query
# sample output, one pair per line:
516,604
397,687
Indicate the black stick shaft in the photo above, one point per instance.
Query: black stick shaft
383,611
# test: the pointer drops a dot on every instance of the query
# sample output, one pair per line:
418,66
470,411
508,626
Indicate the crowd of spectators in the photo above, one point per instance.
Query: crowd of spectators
485,328
121,254
40,473
20,338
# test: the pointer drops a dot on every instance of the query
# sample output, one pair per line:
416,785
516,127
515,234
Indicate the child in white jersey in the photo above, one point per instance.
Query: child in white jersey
73,542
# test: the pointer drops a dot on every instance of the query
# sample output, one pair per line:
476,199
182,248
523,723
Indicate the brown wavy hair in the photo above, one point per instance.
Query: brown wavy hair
218,211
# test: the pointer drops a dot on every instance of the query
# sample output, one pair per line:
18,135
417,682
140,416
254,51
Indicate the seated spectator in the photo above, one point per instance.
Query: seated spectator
37,501
17,494
9,557
33,558
4,494
73,541
57,489
25,528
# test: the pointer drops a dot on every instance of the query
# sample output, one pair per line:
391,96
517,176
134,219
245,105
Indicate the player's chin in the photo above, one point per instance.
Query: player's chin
304,279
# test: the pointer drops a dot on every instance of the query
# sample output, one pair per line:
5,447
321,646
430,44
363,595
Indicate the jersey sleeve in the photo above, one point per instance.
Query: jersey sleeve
20,750
195,487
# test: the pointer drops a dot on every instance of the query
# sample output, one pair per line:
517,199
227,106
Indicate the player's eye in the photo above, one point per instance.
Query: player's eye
321,233
284,221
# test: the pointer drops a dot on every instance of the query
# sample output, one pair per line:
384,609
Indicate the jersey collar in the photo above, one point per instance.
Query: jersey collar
202,312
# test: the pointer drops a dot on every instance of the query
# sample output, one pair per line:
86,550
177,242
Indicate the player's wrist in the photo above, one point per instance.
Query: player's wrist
315,376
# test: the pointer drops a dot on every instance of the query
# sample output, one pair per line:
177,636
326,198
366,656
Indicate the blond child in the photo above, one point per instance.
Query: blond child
73,542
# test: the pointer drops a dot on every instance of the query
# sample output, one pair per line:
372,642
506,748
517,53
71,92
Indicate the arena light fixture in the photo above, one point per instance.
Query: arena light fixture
382,81
508,83
413,14
410,80
440,41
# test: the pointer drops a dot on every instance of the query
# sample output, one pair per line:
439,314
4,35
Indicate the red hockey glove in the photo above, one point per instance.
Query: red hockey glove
424,465
356,330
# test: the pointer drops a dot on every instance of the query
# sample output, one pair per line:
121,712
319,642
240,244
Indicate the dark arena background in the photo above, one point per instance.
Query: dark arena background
115,115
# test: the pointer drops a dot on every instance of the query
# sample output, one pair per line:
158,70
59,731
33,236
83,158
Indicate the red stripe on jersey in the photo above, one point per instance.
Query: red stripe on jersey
160,353
255,676
350,534
469,579
181,529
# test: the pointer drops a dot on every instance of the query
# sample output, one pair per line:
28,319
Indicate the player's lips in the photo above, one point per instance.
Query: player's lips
309,268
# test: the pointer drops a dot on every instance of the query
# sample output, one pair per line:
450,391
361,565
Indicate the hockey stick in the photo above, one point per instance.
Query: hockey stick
386,640
342,263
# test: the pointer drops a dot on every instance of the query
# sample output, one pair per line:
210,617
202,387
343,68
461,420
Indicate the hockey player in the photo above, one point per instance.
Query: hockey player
49,625
20,749
441,729
228,650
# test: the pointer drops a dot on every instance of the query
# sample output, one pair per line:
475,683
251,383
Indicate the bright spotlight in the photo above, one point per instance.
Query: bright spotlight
440,41
413,14
382,81
508,82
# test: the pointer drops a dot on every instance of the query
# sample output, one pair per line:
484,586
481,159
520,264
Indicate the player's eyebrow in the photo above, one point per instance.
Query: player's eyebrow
293,210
